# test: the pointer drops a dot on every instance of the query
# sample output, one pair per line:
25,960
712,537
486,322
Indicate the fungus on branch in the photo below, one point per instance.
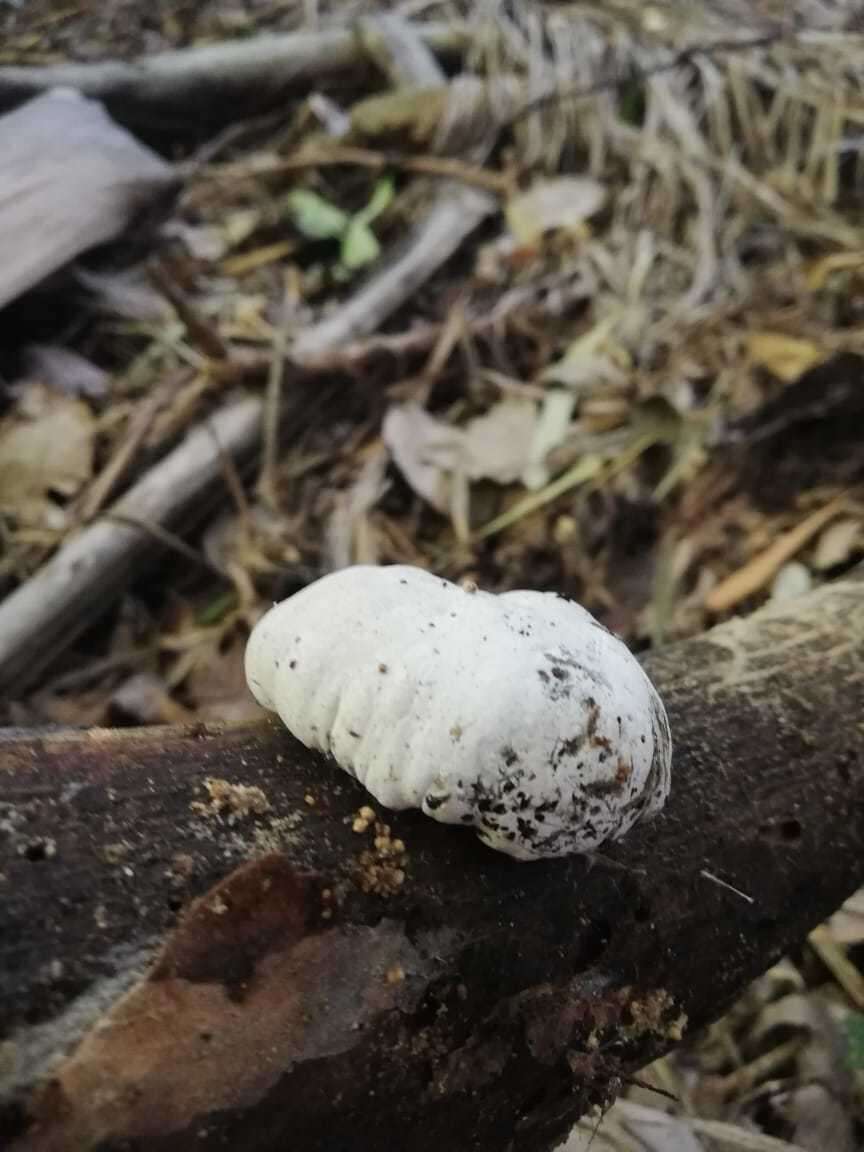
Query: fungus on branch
518,715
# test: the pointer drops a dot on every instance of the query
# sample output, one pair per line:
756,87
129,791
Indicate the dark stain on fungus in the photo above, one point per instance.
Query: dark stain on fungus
433,803
526,828
571,747
509,756
606,787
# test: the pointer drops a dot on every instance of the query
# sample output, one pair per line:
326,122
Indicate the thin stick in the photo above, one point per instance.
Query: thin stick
448,167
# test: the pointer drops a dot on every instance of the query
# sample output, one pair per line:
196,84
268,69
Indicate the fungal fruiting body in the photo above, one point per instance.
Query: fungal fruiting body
516,714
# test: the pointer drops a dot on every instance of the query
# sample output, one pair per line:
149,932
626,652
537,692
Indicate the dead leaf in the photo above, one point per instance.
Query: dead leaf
562,203
497,446
46,449
436,458
837,544
591,362
785,357
418,444
550,431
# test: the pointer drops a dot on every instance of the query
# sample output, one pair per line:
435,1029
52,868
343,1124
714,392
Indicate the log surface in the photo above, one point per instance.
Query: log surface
192,966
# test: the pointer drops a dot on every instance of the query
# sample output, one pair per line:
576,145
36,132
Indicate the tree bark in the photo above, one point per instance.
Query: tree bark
185,965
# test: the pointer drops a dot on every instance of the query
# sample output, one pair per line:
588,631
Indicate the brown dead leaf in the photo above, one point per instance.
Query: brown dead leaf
46,449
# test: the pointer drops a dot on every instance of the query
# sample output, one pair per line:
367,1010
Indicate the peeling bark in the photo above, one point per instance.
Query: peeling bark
190,966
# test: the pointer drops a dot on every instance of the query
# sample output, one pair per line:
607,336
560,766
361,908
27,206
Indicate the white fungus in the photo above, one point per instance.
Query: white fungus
517,714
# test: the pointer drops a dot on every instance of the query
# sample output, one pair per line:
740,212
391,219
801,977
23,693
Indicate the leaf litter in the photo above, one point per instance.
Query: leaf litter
640,383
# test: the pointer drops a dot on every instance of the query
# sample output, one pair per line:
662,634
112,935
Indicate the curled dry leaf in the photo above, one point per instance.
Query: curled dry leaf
496,446
563,203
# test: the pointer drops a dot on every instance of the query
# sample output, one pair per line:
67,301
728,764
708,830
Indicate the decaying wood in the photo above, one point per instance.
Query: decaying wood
50,610
246,73
70,179
198,949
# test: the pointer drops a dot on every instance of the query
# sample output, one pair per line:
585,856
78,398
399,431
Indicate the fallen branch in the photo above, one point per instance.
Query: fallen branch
47,613
336,989
252,71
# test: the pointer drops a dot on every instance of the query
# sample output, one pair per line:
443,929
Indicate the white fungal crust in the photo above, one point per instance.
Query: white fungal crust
518,714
